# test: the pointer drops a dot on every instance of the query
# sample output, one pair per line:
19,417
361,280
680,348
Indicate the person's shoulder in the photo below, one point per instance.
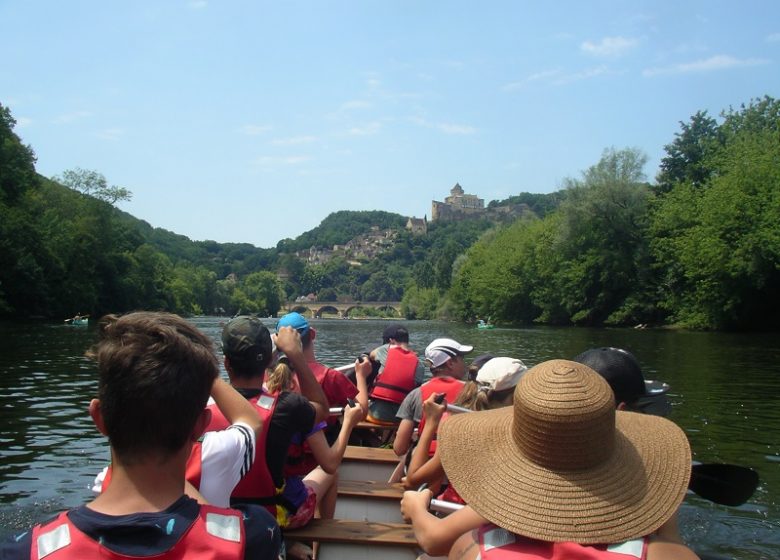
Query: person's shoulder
263,537
291,400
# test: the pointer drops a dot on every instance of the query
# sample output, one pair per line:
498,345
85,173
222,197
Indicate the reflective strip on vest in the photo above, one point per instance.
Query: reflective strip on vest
629,548
266,401
52,541
227,527
496,538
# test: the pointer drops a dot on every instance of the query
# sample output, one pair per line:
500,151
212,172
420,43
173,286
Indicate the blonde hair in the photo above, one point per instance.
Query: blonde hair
476,396
280,378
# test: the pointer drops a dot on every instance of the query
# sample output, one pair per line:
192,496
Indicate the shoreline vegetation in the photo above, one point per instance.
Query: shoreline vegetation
697,248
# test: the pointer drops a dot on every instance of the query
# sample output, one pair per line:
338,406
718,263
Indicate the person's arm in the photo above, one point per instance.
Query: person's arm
436,535
422,467
329,457
234,406
667,543
403,437
466,547
194,493
362,371
288,340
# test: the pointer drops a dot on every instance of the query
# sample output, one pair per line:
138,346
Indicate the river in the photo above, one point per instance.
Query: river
724,393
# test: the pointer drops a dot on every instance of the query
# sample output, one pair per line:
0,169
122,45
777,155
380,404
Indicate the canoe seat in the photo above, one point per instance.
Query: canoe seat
365,500
371,489
370,454
347,540
368,463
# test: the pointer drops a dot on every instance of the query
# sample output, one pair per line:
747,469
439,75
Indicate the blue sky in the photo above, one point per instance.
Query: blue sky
252,121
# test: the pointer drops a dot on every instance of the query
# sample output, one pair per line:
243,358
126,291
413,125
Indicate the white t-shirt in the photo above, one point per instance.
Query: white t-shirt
226,457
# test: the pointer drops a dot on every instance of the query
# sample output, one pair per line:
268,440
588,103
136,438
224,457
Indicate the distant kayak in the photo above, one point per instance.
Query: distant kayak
77,321
483,325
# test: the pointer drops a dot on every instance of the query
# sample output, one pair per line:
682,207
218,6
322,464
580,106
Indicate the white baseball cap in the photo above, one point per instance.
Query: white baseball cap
442,349
501,373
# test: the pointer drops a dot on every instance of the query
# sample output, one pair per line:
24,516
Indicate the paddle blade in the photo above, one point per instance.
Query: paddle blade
730,485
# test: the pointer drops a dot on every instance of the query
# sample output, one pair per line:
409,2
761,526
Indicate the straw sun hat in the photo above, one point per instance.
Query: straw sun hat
562,465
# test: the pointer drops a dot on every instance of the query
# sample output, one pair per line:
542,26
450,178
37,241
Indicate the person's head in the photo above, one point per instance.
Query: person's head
622,371
477,363
562,464
395,334
280,378
300,324
445,356
247,346
493,385
155,372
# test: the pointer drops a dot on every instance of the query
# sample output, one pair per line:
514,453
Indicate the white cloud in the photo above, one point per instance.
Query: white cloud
254,129
446,128
713,63
269,161
198,4
110,133
449,128
355,104
609,46
557,77
71,117
366,130
293,140
773,38
21,122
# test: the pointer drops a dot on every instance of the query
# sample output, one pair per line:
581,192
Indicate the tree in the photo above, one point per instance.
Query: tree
602,237
687,156
17,161
719,246
93,184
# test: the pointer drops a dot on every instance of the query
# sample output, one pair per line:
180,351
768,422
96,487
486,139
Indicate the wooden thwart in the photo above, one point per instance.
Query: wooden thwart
368,463
345,539
369,501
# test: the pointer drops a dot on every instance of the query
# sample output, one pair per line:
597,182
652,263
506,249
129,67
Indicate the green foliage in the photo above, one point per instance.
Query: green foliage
719,246
687,156
17,161
340,227
540,204
93,184
700,249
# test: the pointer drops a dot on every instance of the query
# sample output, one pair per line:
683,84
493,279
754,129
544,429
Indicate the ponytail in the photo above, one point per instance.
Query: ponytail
279,379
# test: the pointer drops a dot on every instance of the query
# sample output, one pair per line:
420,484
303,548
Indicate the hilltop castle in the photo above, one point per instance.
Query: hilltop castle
461,206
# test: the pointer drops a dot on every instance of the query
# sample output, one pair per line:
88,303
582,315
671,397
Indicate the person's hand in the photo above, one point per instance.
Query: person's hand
288,341
363,367
414,502
353,414
432,410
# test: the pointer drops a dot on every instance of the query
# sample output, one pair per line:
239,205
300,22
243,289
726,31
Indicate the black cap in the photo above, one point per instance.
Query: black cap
246,339
621,370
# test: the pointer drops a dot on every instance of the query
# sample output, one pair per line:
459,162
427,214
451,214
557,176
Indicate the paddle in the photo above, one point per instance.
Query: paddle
729,485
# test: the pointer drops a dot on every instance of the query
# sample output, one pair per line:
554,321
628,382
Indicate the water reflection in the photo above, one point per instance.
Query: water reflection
723,395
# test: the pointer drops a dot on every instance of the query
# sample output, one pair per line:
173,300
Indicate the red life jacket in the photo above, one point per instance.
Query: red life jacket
258,484
451,388
397,378
215,533
499,544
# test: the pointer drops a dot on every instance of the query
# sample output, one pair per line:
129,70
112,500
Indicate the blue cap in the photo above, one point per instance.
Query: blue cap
294,320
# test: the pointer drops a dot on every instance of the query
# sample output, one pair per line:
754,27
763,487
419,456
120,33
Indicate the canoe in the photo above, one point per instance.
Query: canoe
483,326
80,322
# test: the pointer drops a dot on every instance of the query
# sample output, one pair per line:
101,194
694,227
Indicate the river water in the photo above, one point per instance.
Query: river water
724,393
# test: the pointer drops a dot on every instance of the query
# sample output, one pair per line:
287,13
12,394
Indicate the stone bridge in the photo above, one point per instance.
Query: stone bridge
317,308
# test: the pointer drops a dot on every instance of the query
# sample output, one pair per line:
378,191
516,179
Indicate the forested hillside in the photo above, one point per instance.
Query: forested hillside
698,248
